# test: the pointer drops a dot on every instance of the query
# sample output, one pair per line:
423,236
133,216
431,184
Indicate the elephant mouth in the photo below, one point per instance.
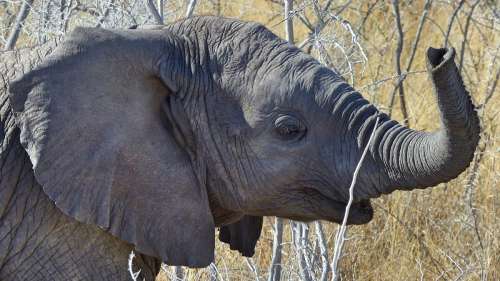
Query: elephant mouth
360,211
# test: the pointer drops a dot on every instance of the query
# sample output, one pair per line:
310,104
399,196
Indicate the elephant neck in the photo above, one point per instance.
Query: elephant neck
222,189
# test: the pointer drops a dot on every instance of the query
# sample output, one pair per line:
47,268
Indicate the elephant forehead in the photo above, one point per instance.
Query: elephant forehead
294,90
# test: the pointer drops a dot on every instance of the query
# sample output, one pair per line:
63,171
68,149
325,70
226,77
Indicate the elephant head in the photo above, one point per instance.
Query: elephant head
160,135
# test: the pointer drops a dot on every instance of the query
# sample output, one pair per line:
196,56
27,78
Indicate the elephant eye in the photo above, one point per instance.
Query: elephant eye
288,127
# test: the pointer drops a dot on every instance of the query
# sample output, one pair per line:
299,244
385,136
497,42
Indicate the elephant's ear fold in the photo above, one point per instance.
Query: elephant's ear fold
242,235
92,122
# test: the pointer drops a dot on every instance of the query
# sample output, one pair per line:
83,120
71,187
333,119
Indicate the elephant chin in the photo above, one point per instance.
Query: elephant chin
360,212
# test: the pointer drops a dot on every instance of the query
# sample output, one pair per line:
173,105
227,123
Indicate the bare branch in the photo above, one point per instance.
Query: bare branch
300,241
190,8
303,18
275,268
377,83
178,273
421,22
154,12
490,93
133,274
160,4
403,76
325,266
289,20
399,50
104,15
253,268
450,23
214,272
466,32
341,234
16,28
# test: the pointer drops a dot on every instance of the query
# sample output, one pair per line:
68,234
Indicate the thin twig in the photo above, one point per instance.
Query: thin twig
289,21
133,275
376,83
325,266
367,15
214,272
469,196
104,15
490,93
190,8
399,50
154,12
160,4
466,32
17,26
450,23
299,241
421,22
275,268
341,234
403,76
178,273
253,268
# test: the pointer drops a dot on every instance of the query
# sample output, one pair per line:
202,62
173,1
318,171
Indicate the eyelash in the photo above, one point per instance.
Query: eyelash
289,128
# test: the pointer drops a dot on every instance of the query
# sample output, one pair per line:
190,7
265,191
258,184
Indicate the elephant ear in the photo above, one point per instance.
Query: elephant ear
242,235
93,123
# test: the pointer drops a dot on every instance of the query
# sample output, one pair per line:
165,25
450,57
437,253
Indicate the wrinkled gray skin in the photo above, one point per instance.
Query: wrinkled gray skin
152,138
37,241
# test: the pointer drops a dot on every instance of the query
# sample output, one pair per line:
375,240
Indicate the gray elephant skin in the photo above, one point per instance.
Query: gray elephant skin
148,140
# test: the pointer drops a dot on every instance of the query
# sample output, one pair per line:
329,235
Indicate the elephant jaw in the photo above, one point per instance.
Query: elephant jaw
333,209
360,212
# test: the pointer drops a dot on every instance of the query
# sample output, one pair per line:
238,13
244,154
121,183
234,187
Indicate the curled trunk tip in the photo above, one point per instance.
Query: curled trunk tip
416,159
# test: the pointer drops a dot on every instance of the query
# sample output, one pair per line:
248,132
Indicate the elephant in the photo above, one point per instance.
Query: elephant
148,140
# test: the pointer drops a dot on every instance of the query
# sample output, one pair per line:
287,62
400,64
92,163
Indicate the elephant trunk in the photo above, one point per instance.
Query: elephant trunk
407,159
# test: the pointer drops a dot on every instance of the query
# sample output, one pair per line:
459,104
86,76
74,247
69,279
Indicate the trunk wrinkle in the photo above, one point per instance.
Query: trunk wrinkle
415,159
